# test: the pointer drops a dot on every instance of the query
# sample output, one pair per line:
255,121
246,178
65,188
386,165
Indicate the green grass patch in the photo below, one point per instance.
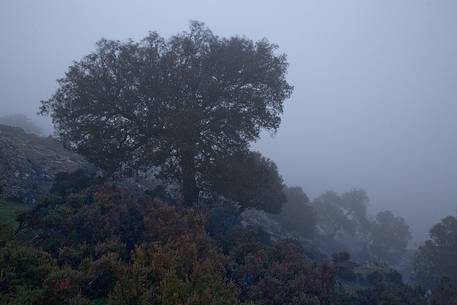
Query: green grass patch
9,210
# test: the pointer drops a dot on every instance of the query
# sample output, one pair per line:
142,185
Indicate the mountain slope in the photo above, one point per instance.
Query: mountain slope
29,163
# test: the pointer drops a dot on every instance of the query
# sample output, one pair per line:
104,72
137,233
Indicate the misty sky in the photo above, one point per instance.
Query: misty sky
375,100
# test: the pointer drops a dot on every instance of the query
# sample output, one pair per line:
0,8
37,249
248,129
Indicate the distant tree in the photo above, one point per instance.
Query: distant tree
21,121
344,218
180,104
436,259
333,216
297,214
355,202
389,236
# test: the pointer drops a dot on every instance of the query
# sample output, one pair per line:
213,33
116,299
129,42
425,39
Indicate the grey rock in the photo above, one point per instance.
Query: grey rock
29,163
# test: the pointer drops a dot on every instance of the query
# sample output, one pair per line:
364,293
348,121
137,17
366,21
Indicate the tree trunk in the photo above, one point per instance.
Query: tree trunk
190,191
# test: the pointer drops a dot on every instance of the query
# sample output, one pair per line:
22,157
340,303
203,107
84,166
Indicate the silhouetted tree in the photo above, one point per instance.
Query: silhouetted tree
344,218
389,236
333,217
297,214
355,202
180,104
436,258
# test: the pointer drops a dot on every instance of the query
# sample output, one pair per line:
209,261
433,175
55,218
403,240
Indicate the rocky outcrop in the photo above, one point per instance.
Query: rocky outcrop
29,163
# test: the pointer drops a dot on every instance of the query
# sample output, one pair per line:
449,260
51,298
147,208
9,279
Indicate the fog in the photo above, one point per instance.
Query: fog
375,99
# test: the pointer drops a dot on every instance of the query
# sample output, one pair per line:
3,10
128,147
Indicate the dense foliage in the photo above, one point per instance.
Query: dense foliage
344,224
249,180
389,236
343,214
297,213
101,245
436,262
180,104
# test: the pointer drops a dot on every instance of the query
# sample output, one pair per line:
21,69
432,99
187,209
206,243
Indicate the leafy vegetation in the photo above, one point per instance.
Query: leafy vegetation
182,104
101,244
436,264
188,108
297,214
344,223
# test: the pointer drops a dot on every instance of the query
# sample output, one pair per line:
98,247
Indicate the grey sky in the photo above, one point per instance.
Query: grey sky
375,101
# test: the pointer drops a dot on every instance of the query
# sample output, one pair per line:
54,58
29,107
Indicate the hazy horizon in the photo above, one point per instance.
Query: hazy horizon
375,99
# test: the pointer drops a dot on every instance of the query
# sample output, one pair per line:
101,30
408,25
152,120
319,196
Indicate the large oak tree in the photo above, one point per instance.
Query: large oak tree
180,104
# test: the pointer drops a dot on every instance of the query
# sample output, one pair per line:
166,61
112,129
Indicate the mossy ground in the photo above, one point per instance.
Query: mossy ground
9,210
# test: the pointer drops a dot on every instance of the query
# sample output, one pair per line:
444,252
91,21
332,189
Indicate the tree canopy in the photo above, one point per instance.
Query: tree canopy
297,214
344,218
436,258
248,179
179,103
335,213
389,236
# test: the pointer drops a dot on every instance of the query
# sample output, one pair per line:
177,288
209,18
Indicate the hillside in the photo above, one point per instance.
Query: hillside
201,256
28,163
146,251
